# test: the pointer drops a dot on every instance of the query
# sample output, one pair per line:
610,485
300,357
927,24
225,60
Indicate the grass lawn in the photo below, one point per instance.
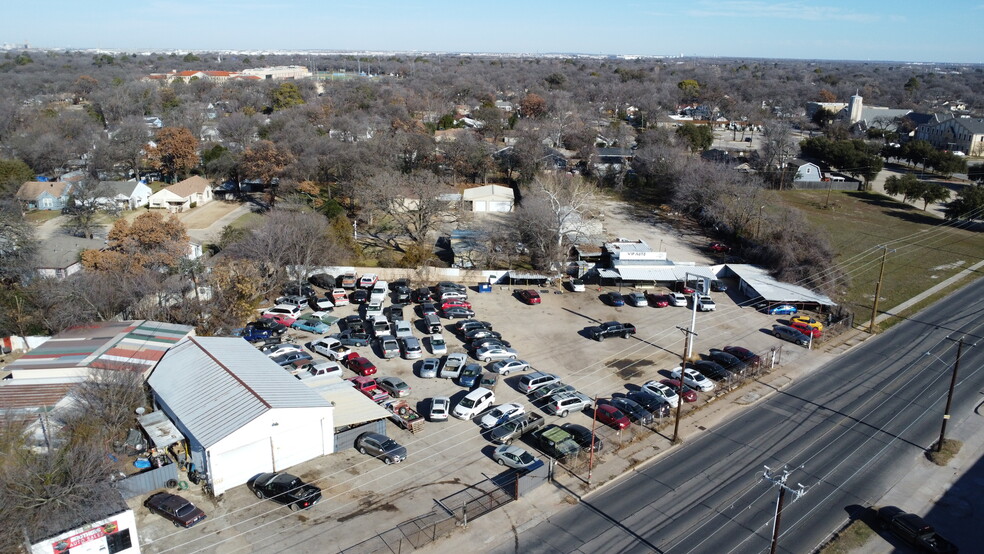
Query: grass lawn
40,216
247,221
927,249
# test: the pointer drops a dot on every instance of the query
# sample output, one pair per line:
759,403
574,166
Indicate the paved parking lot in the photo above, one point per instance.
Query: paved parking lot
362,496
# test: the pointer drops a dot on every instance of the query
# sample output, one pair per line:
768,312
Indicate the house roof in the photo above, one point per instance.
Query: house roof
216,385
972,125
191,185
31,190
106,345
61,251
114,188
32,395
489,193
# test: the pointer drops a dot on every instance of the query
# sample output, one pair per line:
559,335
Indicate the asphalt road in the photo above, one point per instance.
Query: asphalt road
847,432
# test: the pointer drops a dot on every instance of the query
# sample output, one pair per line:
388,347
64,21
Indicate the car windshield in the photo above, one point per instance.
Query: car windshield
526,458
185,509
466,403
390,444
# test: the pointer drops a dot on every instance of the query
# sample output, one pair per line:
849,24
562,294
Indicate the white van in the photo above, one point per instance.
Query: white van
379,292
474,403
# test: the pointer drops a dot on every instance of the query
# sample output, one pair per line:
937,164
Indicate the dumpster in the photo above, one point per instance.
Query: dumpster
484,287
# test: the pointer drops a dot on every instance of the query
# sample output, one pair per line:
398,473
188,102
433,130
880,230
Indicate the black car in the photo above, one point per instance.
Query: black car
486,342
467,325
405,283
632,409
482,333
582,436
396,312
285,489
449,286
359,296
458,312
300,289
181,512
291,357
654,404
267,324
427,308
711,370
726,360
718,286
401,295
744,354
615,299
421,295
323,280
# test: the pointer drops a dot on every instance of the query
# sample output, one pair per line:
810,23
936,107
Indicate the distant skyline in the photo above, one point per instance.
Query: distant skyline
897,30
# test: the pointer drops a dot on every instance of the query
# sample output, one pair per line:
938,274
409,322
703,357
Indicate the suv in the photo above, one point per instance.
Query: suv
531,382
474,403
567,402
411,348
381,446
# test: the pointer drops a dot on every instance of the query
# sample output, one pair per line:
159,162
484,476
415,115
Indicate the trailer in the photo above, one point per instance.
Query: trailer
405,416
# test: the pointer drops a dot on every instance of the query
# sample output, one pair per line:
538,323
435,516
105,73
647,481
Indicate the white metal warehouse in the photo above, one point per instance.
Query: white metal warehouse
241,413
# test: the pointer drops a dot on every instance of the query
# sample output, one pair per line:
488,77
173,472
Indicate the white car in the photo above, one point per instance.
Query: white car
490,353
474,403
317,371
282,349
402,329
577,285
505,367
694,379
500,414
322,304
705,304
437,345
289,310
677,299
440,405
368,280
374,310
658,389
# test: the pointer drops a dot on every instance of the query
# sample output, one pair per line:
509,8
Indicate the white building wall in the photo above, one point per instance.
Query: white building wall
93,539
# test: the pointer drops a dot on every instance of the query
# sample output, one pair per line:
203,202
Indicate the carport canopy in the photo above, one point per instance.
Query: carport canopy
351,406
160,429
757,283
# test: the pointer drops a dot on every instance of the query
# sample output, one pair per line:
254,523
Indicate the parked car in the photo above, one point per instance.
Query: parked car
388,347
429,367
368,280
313,371
421,295
744,354
808,321
655,388
914,530
410,347
450,285
290,357
505,367
677,299
500,414
481,333
469,375
718,286
311,326
348,281
659,300
285,489
474,403
298,300
278,348
610,415
563,403
428,308
633,410
439,408
360,296
548,390
656,405
323,280
487,342
712,370
454,303
285,312
179,511
529,296
726,360
321,304
718,247
786,332
352,338
395,313
637,299
615,299
353,323
267,324
381,446
513,456
489,353
395,386
532,381
360,365
693,378
466,325
437,345
583,437
374,310
577,285
401,295
689,394
782,309
455,313
806,329
685,288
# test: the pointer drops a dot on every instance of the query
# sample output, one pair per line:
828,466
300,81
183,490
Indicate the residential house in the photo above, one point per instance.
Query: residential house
489,198
184,195
48,195
125,195
805,171
60,255
961,134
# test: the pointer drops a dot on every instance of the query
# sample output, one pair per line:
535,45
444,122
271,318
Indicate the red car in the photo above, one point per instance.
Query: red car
359,364
455,304
718,247
659,301
744,355
529,296
282,319
689,394
683,288
806,329
610,415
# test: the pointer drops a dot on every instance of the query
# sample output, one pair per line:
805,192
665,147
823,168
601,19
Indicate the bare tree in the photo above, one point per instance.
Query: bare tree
239,130
106,401
401,209
555,215
84,203
778,147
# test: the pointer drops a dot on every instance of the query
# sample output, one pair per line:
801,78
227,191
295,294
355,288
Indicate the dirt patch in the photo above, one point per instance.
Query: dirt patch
629,369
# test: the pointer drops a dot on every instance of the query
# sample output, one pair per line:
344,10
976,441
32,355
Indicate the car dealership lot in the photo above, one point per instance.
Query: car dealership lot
362,496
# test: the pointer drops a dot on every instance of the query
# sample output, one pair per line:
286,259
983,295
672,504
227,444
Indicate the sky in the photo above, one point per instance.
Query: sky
891,30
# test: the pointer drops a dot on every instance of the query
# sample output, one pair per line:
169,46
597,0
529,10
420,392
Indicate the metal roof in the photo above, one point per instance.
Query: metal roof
215,385
646,273
351,406
33,395
772,290
160,429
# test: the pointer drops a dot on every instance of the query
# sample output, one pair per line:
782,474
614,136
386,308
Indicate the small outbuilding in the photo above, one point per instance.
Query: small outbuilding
489,198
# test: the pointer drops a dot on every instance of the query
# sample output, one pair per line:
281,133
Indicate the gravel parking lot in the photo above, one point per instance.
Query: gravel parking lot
362,496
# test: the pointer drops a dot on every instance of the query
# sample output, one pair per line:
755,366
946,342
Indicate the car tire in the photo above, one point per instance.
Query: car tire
499,461
488,360
625,335
176,524
362,450
387,460
505,373
294,507
564,413
259,494
512,357
777,335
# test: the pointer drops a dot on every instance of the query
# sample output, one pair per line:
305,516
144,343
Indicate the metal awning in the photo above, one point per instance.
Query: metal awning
650,274
351,406
159,428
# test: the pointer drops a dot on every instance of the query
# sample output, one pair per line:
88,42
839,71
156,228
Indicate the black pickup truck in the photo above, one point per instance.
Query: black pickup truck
915,531
611,329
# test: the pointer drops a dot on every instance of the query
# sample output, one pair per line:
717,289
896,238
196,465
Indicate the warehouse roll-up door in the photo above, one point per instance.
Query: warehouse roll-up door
236,466
297,445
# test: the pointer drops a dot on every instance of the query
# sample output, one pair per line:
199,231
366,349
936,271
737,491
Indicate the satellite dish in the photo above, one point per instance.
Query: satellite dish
141,410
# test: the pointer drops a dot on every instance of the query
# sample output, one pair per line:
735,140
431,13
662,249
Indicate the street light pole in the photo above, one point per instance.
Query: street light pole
949,397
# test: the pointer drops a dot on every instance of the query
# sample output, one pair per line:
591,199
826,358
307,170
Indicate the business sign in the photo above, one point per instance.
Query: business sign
642,255
75,541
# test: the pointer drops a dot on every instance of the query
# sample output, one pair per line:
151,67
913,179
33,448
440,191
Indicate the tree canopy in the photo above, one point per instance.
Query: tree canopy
175,151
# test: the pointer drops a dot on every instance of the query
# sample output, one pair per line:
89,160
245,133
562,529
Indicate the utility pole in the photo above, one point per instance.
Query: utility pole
594,422
949,397
693,323
683,366
780,481
874,305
